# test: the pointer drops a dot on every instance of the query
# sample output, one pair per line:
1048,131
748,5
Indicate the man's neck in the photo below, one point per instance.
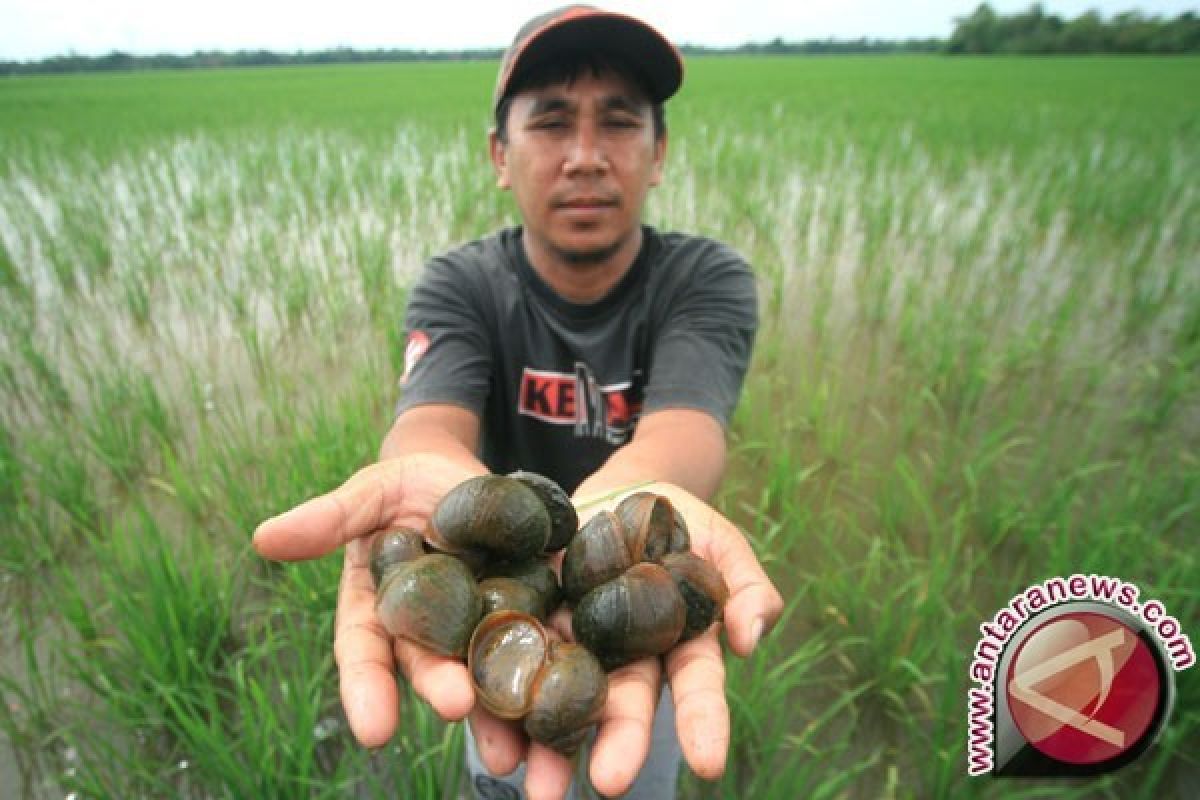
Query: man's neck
581,281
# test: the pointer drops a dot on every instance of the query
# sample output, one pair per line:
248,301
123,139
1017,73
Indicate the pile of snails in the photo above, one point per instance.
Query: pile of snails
476,584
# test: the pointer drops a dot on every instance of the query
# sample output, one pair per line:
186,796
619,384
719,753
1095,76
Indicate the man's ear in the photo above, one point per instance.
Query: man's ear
660,157
499,159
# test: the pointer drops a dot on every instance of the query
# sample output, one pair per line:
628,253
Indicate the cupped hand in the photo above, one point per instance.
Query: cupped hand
400,492
384,496
694,669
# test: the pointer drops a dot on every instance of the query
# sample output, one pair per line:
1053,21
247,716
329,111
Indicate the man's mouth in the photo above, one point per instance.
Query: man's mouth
587,202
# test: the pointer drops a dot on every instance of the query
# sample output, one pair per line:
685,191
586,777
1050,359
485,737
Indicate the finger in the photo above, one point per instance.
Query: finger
547,774
362,650
501,744
325,523
623,737
754,603
697,676
439,680
750,613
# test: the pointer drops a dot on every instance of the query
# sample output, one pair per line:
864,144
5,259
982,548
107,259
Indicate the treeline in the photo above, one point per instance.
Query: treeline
780,47
984,31
118,61
1035,31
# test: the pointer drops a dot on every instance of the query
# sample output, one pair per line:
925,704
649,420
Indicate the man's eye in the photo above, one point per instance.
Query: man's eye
623,122
550,123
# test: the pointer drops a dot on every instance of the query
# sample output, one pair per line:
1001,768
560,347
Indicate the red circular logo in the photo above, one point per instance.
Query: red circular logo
1083,688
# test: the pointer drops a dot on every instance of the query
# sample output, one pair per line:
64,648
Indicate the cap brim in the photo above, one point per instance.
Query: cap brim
624,38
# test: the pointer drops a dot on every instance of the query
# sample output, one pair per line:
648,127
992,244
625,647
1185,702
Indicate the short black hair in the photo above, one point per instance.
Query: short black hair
567,71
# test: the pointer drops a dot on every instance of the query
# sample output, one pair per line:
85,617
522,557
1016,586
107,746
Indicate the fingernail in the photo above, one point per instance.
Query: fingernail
756,630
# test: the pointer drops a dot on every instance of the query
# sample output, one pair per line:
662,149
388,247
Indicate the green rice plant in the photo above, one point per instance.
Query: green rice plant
61,481
153,631
47,382
11,477
10,278
136,296
27,706
128,424
163,627
976,368
268,711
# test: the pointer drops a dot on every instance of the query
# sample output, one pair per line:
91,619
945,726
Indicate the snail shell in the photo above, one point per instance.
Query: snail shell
432,600
703,590
394,547
597,554
653,526
563,519
506,652
475,560
639,614
537,575
517,671
568,697
510,594
494,513
644,527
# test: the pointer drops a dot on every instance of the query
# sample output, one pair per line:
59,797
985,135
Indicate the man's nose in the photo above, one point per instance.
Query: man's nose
586,151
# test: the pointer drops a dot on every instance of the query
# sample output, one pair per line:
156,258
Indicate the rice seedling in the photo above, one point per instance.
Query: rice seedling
976,370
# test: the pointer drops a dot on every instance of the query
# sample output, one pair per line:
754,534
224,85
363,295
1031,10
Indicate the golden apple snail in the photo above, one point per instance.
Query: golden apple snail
640,613
563,519
490,522
432,600
654,527
492,513
520,672
702,588
538,575
597,554
510,594
637,590
644,527
636,587
568,698
394,547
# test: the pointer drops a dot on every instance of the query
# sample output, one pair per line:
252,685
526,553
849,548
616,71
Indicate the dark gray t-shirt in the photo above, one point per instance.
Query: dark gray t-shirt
558,386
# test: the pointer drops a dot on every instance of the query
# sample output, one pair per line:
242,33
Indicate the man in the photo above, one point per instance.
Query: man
581,345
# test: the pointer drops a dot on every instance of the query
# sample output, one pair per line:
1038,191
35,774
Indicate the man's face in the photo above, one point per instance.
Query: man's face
579,160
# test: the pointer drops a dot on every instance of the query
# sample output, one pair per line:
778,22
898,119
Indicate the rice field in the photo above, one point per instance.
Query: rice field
979,367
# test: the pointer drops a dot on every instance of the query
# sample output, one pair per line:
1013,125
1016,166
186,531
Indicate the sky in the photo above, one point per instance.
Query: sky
34,29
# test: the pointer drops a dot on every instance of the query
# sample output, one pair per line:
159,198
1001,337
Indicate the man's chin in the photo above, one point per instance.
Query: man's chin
588,253
590,256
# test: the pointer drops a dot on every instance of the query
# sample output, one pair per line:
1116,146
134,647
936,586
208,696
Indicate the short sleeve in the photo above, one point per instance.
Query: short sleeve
447,354
703,345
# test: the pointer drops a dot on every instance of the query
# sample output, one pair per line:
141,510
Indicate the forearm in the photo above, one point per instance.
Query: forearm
446,432
681,447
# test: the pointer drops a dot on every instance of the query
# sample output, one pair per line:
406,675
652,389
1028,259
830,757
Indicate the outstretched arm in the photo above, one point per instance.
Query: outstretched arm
678,445
448,430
